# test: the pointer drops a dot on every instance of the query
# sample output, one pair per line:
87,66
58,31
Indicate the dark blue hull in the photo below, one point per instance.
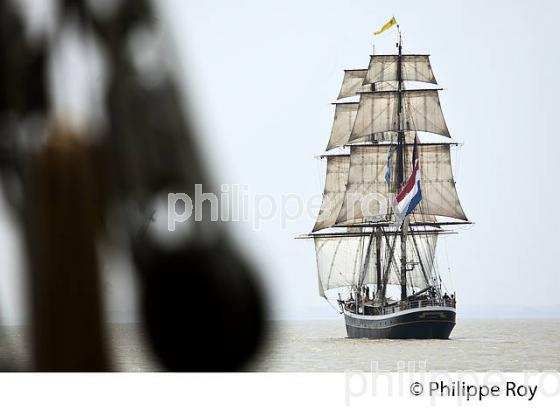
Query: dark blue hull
420,323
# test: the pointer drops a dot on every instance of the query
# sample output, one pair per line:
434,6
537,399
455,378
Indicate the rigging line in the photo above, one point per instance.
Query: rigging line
431,243
420,257
319,171
332,262
391,259
435,267
338,310
448,266
366,258
357,259
442,285
457,163
433,248
438,276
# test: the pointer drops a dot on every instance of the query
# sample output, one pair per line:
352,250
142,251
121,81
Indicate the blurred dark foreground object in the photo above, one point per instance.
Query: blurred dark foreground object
201,305
62,214
214,307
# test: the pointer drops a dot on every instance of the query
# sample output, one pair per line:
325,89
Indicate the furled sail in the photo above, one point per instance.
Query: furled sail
335,187
340,260
377,113
413,68
389,136
368,196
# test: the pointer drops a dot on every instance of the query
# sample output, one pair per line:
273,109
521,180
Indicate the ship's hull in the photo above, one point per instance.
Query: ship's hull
433,322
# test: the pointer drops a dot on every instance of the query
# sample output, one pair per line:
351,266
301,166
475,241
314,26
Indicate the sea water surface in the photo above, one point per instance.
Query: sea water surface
322,346
475,345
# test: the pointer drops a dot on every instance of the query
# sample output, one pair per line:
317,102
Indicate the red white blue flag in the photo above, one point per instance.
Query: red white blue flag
410,195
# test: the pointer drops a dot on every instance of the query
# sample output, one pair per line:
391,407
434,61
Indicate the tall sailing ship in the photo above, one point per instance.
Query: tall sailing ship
389,195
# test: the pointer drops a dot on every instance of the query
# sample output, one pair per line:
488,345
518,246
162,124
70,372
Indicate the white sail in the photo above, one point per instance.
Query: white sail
437,184
340,133
352,83
344,117
340,260
367,195
335,187
413,68
377,113
343,124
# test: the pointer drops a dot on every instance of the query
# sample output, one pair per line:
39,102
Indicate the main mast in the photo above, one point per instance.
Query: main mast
400,162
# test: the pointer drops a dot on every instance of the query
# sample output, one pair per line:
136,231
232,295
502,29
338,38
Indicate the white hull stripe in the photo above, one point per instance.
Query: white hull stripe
400,313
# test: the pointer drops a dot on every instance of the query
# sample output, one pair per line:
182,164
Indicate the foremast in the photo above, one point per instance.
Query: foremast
400,162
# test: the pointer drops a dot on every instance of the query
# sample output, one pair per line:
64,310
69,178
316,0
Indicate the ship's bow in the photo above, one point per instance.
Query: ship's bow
420,323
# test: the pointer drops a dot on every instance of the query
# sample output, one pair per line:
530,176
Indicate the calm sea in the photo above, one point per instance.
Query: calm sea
477,345
322,346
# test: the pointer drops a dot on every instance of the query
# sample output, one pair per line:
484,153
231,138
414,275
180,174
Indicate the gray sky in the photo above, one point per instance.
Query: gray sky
261,75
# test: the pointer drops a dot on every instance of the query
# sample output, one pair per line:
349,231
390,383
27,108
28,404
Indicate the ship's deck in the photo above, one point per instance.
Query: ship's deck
400,306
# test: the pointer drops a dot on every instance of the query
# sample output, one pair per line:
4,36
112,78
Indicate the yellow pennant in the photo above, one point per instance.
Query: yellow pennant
387,26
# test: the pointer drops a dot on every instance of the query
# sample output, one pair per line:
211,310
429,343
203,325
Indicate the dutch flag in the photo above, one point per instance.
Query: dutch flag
411,195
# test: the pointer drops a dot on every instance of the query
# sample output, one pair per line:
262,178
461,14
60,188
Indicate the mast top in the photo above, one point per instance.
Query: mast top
399,43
